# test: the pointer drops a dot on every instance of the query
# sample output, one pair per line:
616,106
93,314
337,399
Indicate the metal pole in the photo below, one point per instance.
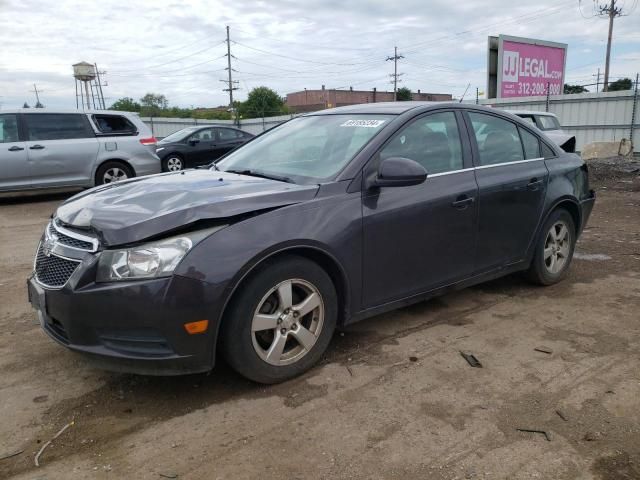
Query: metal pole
598,81
86,89
395,74
477,96
76,81
548,95
633,113
229,67
612,15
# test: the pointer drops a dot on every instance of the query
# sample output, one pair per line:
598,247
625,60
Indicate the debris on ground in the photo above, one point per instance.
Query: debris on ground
471,359
592,436
168,475
11,455
562,415
532,430
546,350
62,430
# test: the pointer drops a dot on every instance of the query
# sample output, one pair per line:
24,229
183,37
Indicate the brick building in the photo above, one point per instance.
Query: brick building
312,100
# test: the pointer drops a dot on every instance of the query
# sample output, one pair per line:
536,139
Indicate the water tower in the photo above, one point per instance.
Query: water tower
88,84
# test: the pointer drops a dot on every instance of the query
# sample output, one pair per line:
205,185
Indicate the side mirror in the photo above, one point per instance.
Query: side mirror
399,172
194,141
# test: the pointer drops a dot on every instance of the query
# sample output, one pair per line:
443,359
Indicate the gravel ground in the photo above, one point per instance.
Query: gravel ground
392,399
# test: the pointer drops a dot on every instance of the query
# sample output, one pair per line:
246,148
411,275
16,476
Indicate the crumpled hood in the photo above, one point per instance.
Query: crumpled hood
144,207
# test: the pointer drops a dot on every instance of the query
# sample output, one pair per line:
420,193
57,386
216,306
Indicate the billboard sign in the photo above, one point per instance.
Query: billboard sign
527,67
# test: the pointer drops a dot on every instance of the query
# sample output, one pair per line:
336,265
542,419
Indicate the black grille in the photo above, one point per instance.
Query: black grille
53,271
69,241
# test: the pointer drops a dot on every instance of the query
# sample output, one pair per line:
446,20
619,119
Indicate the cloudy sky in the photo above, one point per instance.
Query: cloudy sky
177,48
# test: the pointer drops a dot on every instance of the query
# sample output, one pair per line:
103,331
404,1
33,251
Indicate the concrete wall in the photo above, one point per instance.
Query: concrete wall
591,117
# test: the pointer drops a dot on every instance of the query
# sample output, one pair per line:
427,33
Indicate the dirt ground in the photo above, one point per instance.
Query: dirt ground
392,399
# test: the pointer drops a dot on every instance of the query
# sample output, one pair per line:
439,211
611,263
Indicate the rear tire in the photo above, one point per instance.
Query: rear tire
113,171
281,320
554,249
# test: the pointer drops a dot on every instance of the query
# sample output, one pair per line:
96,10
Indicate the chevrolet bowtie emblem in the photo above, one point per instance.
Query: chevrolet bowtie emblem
48,245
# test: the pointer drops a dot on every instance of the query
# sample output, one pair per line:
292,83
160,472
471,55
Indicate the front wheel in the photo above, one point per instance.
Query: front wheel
281,321
554,250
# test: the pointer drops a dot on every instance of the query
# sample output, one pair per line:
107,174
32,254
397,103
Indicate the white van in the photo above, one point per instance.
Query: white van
46,148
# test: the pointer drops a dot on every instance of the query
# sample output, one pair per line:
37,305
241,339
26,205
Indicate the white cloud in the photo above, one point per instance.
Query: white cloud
176,48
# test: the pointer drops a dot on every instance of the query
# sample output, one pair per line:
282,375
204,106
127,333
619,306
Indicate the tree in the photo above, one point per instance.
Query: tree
574,88
39,105
621,84
125,104
26,105
152,104
403,94
262,102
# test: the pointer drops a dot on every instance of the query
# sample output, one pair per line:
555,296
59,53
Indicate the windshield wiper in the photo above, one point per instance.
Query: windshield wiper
255,173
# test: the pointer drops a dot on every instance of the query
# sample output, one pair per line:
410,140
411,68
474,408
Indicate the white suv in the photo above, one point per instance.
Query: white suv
45,148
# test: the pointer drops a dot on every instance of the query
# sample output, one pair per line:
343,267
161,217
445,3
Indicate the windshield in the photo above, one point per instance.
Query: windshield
306,148
179,135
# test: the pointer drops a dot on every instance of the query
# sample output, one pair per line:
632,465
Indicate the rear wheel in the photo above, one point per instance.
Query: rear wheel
173,163
554,250
281,321
111,171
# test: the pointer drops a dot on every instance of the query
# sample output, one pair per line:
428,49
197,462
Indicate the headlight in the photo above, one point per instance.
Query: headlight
150,260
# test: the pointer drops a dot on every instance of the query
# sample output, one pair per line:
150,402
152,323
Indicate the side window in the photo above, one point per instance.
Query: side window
498,139
114,124
530,143
54,126
528,119
226,134
8,128
547,152
433,141
205,135
548,122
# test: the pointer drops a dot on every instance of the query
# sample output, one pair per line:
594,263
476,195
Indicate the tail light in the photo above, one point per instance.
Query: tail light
148,141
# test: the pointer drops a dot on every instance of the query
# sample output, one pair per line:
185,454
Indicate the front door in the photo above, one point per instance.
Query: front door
512,180
14,165
62,149
201,147
421,237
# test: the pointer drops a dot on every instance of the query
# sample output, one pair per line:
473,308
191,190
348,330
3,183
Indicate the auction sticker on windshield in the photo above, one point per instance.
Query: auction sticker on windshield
363,123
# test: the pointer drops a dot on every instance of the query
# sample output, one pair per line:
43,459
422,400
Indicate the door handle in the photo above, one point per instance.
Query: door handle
534,183
462,202
36,147
15,148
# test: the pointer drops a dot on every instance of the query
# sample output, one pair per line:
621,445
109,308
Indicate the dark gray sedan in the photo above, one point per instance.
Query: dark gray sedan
323,221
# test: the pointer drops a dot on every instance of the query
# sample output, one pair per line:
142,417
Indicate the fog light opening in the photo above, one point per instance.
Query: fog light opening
194,328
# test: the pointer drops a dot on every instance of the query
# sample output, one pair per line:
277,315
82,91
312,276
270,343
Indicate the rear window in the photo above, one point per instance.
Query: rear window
548,122
229,134
57,126
114,125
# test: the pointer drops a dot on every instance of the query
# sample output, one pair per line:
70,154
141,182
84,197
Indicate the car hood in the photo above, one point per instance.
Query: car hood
140,208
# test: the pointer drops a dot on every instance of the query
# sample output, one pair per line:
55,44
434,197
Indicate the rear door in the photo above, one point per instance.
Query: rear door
512,180
62,149
14,164
421,237
227,140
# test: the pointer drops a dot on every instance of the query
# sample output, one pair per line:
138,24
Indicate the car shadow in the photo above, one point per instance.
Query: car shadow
36,196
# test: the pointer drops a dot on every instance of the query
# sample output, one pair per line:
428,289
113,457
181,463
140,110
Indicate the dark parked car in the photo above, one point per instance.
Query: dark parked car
323,221
196,146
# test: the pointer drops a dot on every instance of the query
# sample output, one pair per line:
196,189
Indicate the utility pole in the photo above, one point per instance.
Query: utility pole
35,89
612,11
597,80
230,83
395,74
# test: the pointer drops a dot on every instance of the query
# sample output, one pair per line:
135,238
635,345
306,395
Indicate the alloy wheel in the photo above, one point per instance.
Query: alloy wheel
174,164
114,174
288,321
557,247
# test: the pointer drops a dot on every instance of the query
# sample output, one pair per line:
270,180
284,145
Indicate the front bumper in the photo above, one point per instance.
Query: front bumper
136,326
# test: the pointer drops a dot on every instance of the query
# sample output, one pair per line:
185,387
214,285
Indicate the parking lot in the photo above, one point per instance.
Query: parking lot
392,399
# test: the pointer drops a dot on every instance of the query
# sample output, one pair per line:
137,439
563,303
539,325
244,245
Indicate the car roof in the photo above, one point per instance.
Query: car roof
393,108
531,112
67,110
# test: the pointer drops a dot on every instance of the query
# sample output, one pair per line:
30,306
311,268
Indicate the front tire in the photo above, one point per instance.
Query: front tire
554,250
173,163
281,320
